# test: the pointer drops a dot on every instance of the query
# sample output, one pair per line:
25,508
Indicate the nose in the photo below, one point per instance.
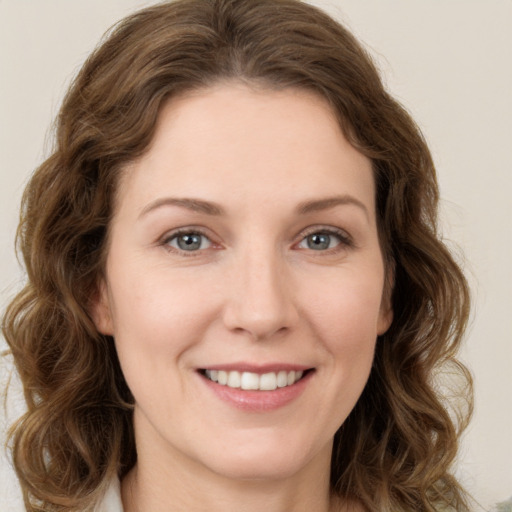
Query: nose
260,300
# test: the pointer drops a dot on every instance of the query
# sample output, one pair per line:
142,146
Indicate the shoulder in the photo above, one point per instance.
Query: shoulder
12,406
505,506
111,501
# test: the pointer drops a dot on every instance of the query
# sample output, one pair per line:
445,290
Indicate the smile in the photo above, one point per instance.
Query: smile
250,381
257,389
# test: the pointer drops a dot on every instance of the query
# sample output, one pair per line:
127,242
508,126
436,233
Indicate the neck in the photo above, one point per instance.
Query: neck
178,485
165,479
141,493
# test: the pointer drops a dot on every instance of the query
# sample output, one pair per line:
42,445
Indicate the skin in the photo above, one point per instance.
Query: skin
254,291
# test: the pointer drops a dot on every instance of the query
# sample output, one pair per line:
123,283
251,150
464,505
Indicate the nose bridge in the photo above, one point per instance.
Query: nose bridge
260,301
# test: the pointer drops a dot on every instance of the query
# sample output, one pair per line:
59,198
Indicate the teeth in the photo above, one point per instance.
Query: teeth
268,382
254,381
234,379
250,381
223,378
282,379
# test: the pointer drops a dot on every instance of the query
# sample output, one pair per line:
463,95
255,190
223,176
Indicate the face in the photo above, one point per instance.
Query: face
244,282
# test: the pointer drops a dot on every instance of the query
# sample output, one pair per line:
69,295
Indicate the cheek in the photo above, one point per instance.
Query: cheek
347,307
156,317
345,317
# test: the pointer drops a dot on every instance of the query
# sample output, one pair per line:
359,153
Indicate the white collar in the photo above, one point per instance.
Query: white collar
111,502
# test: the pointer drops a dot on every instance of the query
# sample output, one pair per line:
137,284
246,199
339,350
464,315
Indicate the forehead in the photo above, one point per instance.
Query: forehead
234,142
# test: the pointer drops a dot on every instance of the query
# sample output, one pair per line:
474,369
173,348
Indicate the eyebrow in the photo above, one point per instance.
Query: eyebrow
195,205
326,203
209,208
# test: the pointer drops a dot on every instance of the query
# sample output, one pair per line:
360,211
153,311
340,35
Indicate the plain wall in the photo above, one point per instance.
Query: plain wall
449,62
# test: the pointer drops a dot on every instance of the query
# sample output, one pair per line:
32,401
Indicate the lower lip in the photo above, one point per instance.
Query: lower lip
259,401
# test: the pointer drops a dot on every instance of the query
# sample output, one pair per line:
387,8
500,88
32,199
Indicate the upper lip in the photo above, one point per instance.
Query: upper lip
258,368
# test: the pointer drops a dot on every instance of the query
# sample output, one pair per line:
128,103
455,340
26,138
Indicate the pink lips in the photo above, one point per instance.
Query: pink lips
259,401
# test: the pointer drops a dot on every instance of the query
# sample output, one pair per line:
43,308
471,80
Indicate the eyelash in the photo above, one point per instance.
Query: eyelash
166,240
345,240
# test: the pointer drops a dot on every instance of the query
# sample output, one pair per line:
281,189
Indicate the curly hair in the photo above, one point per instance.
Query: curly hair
396,449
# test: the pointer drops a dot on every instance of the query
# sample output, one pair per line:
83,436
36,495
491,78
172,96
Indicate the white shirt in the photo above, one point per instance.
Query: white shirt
111,502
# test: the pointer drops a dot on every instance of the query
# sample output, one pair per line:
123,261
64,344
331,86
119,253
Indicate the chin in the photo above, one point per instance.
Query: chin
258,470
270,461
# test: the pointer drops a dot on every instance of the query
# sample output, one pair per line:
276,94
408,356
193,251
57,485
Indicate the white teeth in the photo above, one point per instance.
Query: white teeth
268,382
234,379
254,381
223,377
250,381
282,379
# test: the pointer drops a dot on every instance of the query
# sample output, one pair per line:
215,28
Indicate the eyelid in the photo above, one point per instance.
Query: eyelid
346,239
186,230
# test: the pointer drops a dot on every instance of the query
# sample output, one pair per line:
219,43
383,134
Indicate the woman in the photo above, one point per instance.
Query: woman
236,297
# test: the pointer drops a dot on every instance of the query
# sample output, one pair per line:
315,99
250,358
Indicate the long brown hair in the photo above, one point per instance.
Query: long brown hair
395,451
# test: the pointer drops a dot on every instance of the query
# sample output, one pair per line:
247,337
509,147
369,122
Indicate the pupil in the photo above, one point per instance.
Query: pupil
318,241
189,242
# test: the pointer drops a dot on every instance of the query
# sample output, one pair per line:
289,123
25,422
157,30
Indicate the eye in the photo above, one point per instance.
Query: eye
323,240
189,241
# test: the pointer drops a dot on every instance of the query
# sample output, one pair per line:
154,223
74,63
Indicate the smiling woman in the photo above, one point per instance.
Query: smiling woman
237,298
260,320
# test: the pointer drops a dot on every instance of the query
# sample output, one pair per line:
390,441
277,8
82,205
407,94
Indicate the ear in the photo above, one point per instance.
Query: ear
386,307
385,318
101,310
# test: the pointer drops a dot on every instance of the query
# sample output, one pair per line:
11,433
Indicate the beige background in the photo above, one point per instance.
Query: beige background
449,62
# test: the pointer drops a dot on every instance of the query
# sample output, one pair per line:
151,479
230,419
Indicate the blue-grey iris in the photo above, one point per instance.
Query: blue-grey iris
318,241
189,242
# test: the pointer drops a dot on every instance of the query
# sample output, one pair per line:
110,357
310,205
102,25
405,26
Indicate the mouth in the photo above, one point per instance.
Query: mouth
257,389
251,381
